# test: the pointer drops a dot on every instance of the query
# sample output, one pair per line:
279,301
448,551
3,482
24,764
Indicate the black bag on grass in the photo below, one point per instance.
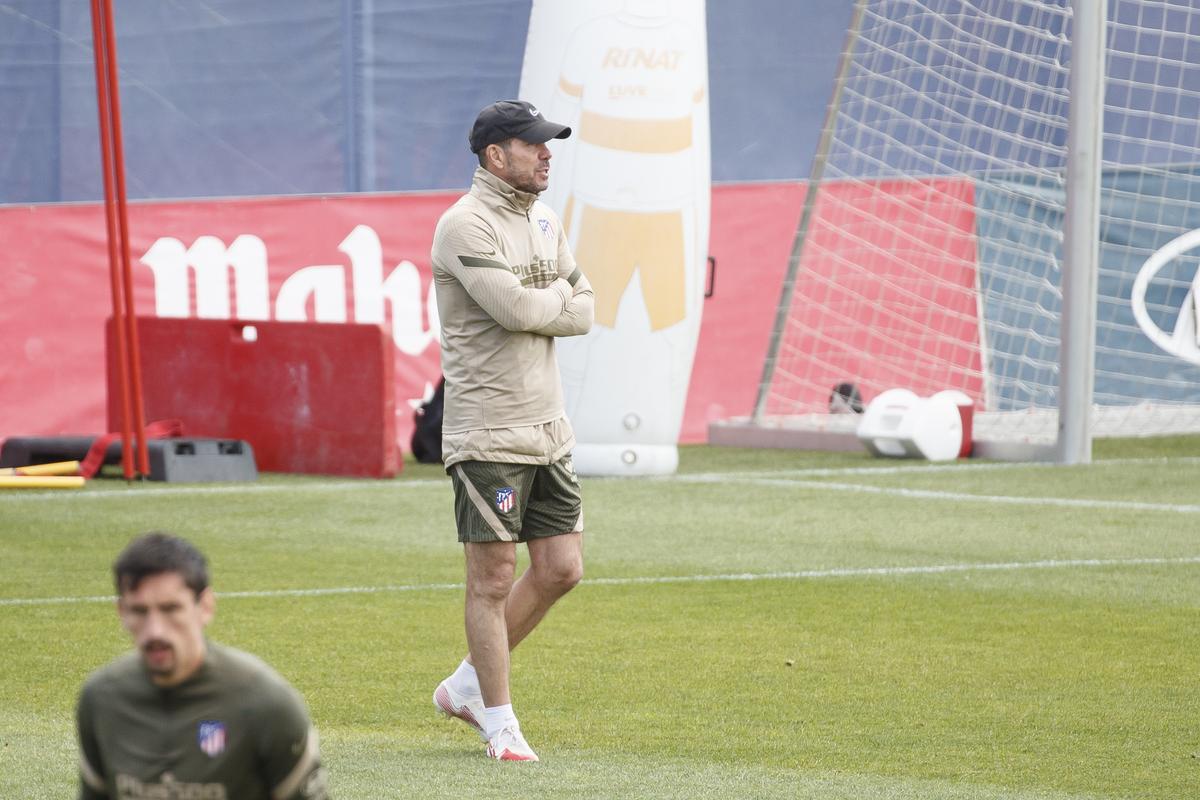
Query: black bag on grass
427,432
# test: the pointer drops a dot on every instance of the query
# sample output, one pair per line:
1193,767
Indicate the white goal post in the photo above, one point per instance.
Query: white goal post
1002,203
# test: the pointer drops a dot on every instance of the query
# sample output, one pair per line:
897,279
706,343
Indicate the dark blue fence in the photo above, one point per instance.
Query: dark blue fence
229,97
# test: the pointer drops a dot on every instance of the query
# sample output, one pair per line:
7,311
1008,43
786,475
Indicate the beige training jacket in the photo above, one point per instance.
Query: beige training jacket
506,285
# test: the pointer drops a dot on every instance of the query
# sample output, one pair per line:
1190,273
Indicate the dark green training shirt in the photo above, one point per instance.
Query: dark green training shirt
235,730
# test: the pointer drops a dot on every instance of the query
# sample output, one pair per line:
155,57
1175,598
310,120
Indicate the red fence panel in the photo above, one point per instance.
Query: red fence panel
309,397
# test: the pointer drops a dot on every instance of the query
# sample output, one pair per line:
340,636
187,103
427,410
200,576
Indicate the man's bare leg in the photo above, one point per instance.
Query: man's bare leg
490,569
496,622
555,567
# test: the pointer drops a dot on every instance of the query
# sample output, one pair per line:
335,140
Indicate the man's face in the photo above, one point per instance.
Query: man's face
525,166
166,621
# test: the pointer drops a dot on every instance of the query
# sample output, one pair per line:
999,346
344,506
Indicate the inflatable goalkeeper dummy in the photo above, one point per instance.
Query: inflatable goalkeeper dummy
632,189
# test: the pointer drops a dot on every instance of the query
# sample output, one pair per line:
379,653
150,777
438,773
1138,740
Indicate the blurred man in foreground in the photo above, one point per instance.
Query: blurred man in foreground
182,716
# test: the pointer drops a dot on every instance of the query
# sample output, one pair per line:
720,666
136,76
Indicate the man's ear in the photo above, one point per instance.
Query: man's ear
120,606
208,605
495,154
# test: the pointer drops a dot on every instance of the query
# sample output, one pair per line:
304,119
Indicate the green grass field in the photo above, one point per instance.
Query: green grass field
766,624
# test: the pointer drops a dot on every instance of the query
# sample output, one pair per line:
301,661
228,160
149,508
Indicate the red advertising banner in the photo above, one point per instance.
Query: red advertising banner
751,235
353,258
365,259
347,259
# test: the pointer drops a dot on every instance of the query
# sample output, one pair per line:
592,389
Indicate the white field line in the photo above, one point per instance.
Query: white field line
908,467
928,494
812,574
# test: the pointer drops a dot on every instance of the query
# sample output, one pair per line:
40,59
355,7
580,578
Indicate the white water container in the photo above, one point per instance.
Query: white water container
899,424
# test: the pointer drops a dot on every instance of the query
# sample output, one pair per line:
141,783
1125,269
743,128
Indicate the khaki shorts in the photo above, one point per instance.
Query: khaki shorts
500,502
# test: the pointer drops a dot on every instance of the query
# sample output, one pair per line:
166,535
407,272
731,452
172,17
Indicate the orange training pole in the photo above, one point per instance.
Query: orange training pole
98,52
56,468
131,334
42,482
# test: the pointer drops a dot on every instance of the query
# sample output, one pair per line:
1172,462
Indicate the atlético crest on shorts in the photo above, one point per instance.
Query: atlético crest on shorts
505,498
211,738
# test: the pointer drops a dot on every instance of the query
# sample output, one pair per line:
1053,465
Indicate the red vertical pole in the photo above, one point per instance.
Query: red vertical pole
131,333
110,216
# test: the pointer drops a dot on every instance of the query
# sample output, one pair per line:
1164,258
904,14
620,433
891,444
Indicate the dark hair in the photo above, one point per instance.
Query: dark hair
155,553
505,145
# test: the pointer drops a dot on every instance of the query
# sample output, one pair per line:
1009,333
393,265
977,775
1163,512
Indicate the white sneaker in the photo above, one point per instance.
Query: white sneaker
466,707
509,745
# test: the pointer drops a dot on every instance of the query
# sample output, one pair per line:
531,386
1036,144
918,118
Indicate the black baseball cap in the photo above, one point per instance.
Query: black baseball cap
506,119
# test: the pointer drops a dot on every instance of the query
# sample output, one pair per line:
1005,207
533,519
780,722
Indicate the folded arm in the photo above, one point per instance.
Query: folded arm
576,318
492,283
499,292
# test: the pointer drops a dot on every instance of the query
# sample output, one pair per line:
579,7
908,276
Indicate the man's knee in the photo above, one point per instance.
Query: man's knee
490,570
492,591
562,574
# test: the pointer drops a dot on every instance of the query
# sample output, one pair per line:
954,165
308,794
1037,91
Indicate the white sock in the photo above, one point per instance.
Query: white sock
497,718
464,680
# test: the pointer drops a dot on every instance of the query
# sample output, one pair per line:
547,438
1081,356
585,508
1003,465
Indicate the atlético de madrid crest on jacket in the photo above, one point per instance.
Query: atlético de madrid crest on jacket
211,738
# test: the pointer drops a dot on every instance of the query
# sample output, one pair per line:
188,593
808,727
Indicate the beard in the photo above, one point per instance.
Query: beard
530,182
159,657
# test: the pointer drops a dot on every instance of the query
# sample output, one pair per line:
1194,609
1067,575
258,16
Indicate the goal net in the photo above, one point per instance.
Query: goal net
929,255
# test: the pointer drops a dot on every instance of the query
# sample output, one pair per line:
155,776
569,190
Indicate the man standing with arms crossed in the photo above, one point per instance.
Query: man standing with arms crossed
182,716
506,285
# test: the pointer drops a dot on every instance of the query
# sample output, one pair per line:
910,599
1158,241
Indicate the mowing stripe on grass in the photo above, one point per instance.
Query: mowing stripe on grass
781,477
811,574
914,468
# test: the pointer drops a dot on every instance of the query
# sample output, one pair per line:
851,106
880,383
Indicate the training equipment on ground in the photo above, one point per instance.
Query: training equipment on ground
935,248
172,459
55,468
899,424
41,482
